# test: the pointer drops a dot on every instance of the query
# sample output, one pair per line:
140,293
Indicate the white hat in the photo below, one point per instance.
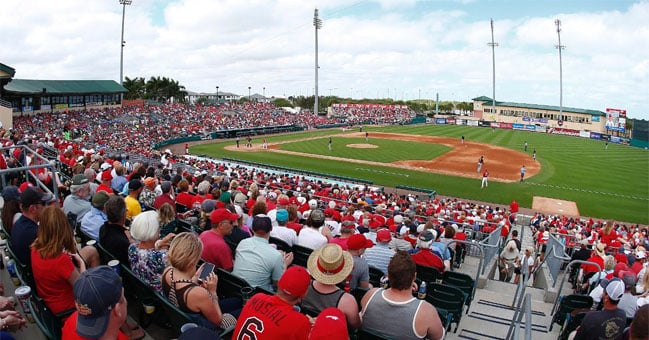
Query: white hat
313,204
614,289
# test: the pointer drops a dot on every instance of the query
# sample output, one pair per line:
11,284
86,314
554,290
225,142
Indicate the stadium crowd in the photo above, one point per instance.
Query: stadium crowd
164,216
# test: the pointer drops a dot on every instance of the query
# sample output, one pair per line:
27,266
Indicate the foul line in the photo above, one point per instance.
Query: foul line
382,172
590,191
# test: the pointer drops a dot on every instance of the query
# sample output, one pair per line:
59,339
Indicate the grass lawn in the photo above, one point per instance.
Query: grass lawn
611,183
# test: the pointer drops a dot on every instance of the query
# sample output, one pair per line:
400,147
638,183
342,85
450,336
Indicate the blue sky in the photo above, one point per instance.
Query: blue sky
402,49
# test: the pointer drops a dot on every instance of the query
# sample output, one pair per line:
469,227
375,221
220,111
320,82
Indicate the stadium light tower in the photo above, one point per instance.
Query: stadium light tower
317,23
249,93
560,47
493,61
217,94
122,42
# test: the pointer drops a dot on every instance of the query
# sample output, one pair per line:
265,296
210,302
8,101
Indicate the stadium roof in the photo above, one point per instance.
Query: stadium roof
7,69
34,86
540,107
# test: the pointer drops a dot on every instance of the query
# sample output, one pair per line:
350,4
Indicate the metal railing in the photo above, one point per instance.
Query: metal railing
45,164
563,280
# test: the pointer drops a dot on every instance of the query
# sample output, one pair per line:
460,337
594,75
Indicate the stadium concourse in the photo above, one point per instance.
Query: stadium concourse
108,150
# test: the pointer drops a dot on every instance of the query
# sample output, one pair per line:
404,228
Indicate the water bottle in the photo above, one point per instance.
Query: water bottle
347,286
11,266
421,294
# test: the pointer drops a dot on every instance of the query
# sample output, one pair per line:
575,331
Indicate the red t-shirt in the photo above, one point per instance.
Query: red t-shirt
607,239
185,199
51,277
590,268
425,257
295,226
106,188
342,242
69,330
269,317
216,250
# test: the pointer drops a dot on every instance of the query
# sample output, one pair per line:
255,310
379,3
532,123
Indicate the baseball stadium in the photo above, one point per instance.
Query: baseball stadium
558,180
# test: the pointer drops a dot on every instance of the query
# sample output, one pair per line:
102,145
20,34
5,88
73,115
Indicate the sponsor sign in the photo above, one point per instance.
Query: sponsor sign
595,135
615,139
584,134
460,122
518,126
28,109
594,119
369,106
46,107
450,121
60,106
530,127
615,119
440,121
562,131
484,123
506,126
472,122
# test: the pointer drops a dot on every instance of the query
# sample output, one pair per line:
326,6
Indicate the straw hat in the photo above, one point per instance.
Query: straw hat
330,264
600,249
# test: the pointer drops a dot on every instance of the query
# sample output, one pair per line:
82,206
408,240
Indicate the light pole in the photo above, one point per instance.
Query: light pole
560,47
248,93
264,89
217,94
317,23
122,42
493,61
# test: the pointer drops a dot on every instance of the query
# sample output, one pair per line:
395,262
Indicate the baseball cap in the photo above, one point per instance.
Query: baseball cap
79,179
358,241
283,200
614,288
199,333
134,184
165,186
640,255
317,216
330,324
240,198
383,235
96,291
106,176
225,197
11,193
208,206
628,278
281,215
99,199
427,236
31,196
219,215
295,281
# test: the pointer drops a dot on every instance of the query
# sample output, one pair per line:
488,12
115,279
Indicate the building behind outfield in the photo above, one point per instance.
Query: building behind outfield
546,116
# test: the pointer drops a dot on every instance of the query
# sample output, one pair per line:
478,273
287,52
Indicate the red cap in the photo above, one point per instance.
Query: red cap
330,324
24,186
219,215
295,281
283,201
383,235
358,241
106,176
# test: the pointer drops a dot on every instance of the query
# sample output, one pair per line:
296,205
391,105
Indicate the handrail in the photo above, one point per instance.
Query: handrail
525,301
485,242
46,164
556,300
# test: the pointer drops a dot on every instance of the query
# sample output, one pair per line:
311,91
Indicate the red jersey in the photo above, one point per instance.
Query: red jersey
425,257
69,330
269,317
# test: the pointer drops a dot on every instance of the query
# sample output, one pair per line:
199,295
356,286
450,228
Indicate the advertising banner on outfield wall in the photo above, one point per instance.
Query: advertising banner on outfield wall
584,134
530,127
460,122
516,126
450,121
484,123
604,137
506,126
562,131
595,135
472,122
440,121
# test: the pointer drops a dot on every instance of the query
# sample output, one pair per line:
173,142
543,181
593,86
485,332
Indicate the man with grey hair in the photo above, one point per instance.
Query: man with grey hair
78,202
91,175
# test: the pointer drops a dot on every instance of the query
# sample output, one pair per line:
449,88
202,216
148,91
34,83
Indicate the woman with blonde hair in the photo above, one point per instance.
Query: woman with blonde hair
181,285
525,264
147,255
167,217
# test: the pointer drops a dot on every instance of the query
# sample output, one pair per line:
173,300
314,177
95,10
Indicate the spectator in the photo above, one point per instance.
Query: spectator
283,322
167,218
330,265
106,179
113,234
180,284
147,255
11,208
215,249
166,197
55,260
608,322
507,261
23,233
184,198
281,231
78,202
347,229
148,194
133,206
93,220
525,265
118,180
10,321
629,302
360,276
394,312
330,324
424,255
639,329
310,236
101,306
379,256
256,261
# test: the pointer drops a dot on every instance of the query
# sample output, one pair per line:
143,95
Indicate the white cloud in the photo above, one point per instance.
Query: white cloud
236,44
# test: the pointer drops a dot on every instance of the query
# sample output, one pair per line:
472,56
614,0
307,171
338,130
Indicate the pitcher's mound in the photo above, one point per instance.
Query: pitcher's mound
555,206
362,146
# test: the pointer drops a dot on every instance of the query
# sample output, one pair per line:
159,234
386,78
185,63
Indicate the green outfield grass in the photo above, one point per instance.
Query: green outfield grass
611,183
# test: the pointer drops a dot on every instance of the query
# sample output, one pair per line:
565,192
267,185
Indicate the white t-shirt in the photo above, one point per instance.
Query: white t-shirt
311,238
285,234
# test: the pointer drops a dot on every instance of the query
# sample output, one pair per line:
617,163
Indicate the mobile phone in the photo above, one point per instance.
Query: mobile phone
207,269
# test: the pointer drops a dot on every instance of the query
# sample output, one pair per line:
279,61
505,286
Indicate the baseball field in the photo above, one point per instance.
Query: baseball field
606,183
